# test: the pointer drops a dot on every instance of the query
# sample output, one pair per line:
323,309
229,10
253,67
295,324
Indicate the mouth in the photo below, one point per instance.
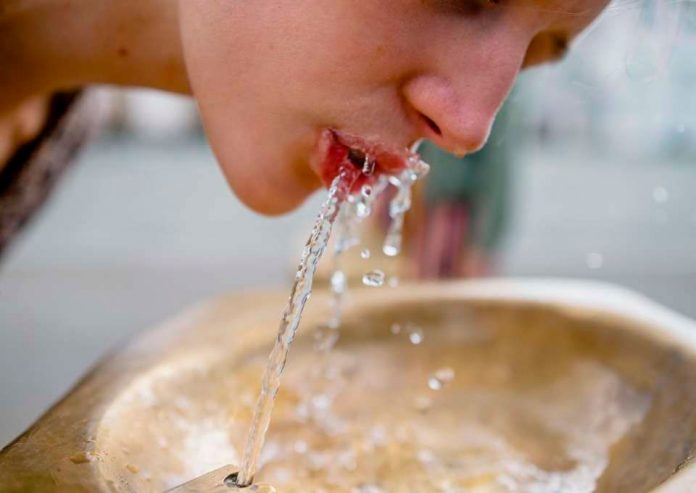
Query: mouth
366,159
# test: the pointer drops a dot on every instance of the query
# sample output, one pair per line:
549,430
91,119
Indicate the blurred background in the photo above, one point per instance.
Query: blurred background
590,173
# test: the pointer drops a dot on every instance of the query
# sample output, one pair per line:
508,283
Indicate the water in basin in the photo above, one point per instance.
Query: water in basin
451,414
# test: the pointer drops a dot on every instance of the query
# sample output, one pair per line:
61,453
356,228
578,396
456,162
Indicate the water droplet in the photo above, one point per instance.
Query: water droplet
395,329
394,181
362,209
401,203
397,208
366,191
374,278
321,401
445,374
660,195
594,260
325,337
338,282
415,336
365,254
418,167
390,249
434,383
440,378
415,146
369,166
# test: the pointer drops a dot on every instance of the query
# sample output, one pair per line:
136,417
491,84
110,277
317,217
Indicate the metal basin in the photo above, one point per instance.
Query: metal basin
173,405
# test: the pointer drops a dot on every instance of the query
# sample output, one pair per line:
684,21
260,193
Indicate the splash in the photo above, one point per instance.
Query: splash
301,290
345,210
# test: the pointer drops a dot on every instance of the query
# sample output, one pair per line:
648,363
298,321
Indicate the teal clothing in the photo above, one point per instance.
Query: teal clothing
479,181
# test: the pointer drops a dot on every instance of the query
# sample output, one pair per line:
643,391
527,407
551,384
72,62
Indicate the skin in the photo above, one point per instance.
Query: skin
270,75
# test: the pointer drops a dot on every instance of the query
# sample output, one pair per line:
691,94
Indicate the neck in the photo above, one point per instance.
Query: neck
51,45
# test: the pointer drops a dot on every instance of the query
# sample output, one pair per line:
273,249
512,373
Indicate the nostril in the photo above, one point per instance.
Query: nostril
431,124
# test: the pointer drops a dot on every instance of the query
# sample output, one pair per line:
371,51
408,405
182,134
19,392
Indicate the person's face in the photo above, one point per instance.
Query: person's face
271,76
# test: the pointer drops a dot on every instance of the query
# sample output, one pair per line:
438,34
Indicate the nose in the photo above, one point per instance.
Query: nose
455,102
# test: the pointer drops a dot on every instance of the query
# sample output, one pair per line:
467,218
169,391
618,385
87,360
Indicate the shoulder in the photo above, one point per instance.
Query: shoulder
46,146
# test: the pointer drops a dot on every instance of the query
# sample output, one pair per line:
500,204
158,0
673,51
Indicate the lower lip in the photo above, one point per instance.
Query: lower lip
332,156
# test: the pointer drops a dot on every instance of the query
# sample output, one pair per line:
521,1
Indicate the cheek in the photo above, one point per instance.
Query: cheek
243,82
302,56
350,45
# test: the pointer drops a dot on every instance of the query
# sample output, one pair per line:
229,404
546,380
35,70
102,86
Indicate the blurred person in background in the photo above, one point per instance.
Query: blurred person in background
463,208
458,213
279,84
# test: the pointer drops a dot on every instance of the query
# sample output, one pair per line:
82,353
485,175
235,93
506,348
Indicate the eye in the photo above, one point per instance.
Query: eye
547,47
464,7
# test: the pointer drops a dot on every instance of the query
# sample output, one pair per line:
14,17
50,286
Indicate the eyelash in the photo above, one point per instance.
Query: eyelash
468,7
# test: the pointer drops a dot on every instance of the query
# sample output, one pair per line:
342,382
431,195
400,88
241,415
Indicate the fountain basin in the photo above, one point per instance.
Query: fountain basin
567,376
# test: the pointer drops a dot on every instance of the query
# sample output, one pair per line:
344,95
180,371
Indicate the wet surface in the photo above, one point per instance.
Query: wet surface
538,413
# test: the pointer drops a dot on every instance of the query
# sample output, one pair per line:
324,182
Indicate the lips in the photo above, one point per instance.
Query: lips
338,150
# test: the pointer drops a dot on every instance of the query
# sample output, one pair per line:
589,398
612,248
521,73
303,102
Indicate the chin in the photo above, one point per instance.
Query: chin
273,204
274,192
276,179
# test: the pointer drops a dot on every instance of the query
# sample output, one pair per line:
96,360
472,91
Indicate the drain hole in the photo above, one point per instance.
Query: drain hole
231,481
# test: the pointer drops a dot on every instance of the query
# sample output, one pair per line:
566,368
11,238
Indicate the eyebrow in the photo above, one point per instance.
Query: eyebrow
460,6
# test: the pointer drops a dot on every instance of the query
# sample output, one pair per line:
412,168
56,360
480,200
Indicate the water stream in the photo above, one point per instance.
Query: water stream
356,419
301,290
347,214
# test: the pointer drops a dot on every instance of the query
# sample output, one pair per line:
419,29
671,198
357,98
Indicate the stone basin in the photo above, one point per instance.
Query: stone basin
565,377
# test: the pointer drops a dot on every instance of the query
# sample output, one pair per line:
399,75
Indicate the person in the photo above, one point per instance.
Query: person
464,207
285,88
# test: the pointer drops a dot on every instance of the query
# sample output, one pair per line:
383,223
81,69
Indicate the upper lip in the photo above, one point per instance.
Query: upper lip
337,147
361,148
